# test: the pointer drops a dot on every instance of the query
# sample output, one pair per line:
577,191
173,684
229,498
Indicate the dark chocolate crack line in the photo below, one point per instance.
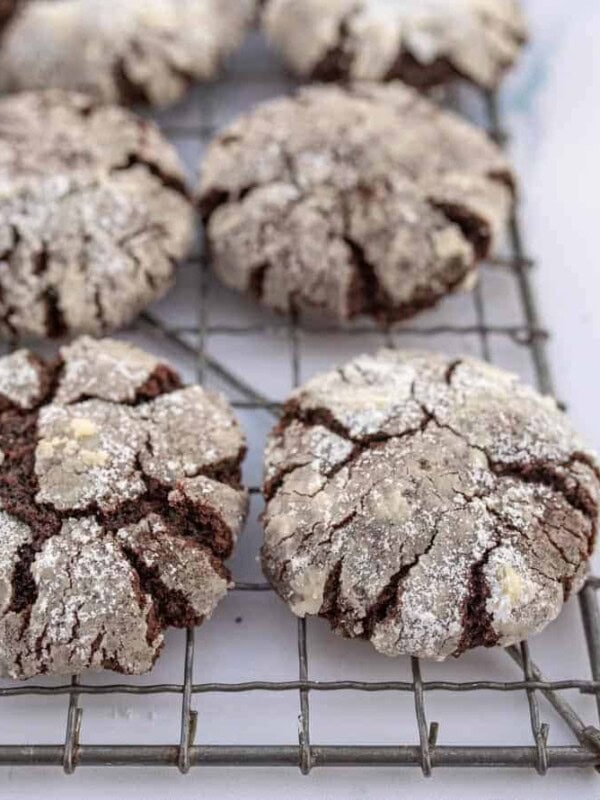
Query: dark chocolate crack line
427,505
422,42
129,51
357,200
93,215
120,497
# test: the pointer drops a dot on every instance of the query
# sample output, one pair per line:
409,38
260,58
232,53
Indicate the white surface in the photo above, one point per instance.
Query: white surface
551,103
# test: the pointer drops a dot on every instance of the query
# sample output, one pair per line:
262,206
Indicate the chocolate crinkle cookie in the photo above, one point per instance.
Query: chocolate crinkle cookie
120,497
93,215
128,51
361,200
423,42
427,505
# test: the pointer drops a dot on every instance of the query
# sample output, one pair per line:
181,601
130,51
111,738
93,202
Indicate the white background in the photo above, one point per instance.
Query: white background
553,102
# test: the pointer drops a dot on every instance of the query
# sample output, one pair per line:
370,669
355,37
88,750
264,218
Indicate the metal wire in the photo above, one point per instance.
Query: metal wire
304,718
539,730
424,751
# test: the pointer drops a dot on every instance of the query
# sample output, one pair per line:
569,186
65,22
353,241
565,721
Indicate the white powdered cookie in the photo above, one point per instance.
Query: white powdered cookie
428,505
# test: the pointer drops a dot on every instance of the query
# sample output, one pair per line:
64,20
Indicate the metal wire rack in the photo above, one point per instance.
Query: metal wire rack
423,751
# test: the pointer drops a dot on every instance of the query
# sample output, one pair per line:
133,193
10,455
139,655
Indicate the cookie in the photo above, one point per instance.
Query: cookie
361,200
427,505
423,42
93,215
131,51
120,497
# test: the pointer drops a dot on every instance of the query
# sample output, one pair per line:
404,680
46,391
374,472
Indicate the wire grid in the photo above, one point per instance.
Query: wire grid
425,752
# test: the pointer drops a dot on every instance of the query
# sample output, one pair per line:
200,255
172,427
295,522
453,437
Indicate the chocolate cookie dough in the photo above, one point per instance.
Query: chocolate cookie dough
93,215
423,42
427,505
361,200
120,497
129,51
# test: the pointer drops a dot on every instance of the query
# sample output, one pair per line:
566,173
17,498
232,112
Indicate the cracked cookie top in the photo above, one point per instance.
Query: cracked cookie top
367,199
130,51
423,42
93,215
428,505
120,497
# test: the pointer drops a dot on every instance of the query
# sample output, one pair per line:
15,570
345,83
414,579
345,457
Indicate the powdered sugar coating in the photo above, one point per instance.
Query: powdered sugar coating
189,430
100,547
20,381
93,214
107,369
364,199
128,51
15,534
98,467
461,512
422,41
89,610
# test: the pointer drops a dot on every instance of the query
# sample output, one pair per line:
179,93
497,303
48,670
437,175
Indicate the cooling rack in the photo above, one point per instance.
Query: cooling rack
189,338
